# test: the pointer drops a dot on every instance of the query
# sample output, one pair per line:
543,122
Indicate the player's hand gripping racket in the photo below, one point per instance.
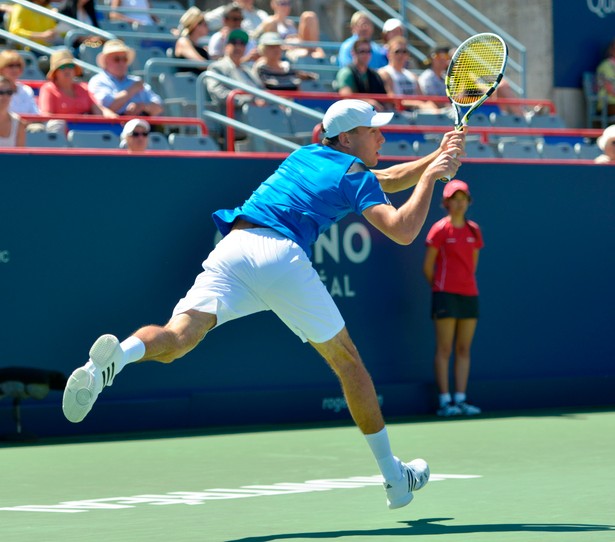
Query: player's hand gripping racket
475,71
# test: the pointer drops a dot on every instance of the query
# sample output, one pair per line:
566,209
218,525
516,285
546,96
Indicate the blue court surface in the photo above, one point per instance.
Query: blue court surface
538,476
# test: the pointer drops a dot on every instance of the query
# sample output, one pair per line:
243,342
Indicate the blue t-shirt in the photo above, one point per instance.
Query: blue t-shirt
315,187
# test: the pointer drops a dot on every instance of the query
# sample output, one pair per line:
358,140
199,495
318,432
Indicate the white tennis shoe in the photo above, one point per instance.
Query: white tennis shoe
414,477
86,383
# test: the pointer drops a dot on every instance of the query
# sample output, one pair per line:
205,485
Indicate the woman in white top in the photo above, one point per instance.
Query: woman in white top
279,22
140,18
399,80
12,129
11,66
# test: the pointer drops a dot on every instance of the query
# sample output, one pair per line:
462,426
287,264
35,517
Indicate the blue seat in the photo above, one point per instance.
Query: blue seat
93,139
183,142
518,149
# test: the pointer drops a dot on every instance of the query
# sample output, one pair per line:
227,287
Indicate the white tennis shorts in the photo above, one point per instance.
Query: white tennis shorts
259,269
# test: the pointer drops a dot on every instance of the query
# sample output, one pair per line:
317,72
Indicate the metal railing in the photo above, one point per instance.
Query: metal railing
516,67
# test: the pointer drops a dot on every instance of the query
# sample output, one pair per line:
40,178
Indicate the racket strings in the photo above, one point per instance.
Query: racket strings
476,70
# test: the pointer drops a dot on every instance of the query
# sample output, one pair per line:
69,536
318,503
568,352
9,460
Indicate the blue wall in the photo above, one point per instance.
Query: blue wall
106,244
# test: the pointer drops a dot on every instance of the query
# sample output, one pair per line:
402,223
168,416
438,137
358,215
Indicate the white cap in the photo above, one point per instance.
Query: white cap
609,133
130,126
391,24
345,115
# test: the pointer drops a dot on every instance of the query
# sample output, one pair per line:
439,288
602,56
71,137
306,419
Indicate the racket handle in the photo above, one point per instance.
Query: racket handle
446,178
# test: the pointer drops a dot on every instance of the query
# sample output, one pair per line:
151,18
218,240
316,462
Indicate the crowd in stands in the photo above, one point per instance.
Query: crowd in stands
262,48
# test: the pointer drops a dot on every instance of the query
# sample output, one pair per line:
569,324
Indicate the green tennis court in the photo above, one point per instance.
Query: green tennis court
544,476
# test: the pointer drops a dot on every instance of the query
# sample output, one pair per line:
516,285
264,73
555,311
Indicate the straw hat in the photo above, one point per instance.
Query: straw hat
59,59
115,46
190,19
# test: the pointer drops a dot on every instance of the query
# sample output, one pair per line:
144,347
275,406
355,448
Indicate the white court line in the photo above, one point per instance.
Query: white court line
192,498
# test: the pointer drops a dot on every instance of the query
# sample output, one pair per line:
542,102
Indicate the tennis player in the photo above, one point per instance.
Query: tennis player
262,263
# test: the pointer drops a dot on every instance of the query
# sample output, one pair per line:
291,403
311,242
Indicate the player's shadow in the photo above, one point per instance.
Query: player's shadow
432,526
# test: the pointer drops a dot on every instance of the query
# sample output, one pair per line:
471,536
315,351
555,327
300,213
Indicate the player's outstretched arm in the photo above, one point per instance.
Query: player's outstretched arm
402,176
404,224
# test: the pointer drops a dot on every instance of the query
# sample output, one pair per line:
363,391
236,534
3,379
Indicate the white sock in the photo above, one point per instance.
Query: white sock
133,350
381,448
445,399
460,397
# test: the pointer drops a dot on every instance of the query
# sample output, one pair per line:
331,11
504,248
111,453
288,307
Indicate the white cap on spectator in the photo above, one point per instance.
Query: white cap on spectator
391,24
132,124
609,133
344,115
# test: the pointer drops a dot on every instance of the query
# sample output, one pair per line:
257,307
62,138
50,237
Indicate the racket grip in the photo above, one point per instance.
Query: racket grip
446,178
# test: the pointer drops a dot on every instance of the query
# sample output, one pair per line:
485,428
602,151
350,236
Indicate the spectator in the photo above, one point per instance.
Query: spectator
308,31
358,77
62,94
11,66
399,80
232,20
606,143
135,135
12,129
252,17
272,71
605,77
83,11
279,22
431,79
116,90
231,65
141,17
453,244
363,28
392,28
192,29
33,25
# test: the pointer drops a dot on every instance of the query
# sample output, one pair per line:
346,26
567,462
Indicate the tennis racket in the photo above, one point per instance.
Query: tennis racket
475,71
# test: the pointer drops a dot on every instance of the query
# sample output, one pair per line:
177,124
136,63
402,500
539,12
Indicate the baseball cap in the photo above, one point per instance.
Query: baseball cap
455,186
609,133
344,115
391,24
238,34
132,125
271,38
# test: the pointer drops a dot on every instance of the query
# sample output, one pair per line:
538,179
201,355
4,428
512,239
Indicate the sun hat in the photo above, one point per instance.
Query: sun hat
271,38
190,19
344,115
132,125
115,46
455,186
609,133
238,34
391,24
59,59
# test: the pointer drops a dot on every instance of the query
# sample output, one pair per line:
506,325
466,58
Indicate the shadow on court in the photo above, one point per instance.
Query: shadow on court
432,526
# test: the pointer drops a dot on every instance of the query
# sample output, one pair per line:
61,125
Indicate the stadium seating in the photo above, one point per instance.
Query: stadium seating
558,151
46,139
93,139
587,151
401,147
183,142
477,149
517,149
178,93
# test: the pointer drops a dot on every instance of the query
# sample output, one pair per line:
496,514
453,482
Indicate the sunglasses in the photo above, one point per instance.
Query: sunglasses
139,134
7,92
119,59
237,42
235,19
69,66
285,4
401,51
364,52
14,65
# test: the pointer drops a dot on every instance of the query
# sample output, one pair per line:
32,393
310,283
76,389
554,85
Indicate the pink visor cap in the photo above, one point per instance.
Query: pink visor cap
344,115
455,186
